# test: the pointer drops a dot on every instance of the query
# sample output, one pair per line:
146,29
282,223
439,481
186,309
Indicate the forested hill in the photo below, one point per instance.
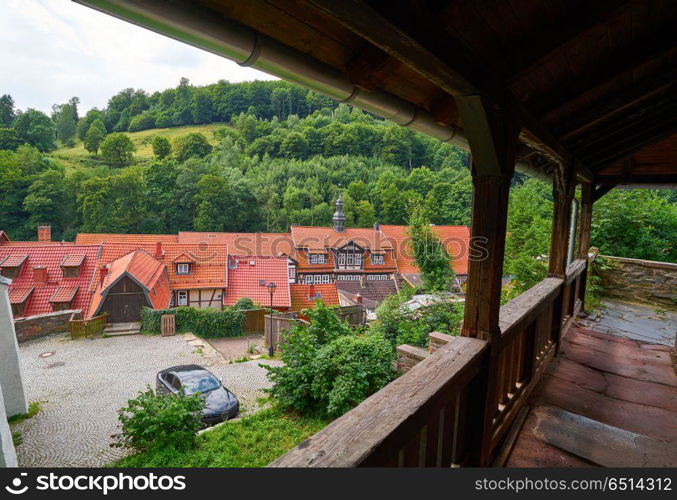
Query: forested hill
258,156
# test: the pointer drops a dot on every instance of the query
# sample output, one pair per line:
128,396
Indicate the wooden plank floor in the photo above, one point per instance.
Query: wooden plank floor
602,385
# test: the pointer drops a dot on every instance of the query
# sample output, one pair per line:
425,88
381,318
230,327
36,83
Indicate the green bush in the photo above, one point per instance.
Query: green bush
205,323
152,421
402,326
245,303
328,369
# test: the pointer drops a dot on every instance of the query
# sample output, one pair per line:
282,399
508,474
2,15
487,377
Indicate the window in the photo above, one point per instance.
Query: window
325,278
61,306
182,298
342,259
358,259
10,272
350,259
71,272
17,309
318,258
377,258
292,273
183,269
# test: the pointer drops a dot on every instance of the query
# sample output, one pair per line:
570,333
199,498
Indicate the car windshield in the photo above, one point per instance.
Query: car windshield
198,381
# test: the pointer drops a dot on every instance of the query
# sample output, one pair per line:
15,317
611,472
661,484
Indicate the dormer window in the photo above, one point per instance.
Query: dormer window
318,258
70,265
183,268
377,259
11,266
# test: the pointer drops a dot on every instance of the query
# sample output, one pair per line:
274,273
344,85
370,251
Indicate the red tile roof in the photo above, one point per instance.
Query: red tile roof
73,260
244,280
208,269
13,260
320,238
301,299
265,244
19,294
456,240
97,238
64,293
149,272
50,256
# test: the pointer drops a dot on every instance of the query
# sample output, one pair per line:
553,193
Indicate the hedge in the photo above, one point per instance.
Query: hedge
205,323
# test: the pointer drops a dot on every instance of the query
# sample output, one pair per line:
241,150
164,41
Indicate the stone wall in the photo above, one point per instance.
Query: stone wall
408,355
40,325
643,281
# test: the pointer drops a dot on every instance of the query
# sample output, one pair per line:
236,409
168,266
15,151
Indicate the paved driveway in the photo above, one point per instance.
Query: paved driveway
84,382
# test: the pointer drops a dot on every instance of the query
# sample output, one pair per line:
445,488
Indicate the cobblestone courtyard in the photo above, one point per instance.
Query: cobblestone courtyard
83,383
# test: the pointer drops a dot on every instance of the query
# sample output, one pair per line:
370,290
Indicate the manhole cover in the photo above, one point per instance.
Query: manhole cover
46,354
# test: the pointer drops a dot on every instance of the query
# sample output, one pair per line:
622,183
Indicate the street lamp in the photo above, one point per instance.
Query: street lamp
271,290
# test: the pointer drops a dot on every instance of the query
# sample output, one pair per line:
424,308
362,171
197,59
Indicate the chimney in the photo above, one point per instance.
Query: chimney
339,217
363,280
103,272
44,233
40,274
158,250
311,292
377,226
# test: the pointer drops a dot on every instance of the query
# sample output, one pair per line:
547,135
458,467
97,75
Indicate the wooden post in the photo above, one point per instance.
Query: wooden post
492,133
563,187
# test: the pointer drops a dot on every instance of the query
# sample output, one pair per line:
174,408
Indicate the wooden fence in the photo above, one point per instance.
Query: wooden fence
87,328
254,321
454,407
280,323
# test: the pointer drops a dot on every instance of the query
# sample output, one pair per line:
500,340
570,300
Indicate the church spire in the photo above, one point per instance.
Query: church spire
339,217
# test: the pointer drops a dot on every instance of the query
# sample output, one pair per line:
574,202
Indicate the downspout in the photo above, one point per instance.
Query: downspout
200,27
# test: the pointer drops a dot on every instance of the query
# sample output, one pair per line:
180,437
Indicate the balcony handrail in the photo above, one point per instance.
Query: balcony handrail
485,384
378,429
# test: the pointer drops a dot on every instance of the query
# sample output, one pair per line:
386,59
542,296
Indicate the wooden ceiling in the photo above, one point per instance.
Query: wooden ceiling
595,79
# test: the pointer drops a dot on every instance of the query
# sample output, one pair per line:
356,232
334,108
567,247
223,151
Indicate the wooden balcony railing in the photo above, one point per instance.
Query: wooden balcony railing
454,407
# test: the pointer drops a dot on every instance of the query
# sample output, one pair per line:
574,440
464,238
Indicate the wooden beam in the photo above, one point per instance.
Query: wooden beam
624,60
444,110
563,193
366,22
602,190
638,178
492,134
617,103
370,67
540,45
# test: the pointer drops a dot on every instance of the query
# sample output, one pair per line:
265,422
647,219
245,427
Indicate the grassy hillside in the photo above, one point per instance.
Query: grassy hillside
78,155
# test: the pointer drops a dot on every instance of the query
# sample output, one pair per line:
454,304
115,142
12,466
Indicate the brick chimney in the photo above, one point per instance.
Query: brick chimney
311,292
158,250
40,274
103,272
44,233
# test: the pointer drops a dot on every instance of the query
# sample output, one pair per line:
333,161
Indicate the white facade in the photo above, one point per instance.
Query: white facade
12,395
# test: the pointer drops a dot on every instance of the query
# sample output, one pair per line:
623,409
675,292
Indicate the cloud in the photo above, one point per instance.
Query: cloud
51,50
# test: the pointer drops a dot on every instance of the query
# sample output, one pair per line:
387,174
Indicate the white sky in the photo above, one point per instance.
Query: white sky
52,50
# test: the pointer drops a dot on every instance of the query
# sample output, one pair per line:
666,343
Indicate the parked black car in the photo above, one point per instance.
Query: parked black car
220,403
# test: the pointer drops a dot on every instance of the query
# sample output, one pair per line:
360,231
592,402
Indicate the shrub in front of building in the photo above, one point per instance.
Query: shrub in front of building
205,323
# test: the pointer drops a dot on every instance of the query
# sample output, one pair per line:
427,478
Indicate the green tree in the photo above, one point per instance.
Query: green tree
365,215
161,147
8,139
37,129
431,256
7,112
95,136
65,116
117,150
49,202
294,145
193,145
